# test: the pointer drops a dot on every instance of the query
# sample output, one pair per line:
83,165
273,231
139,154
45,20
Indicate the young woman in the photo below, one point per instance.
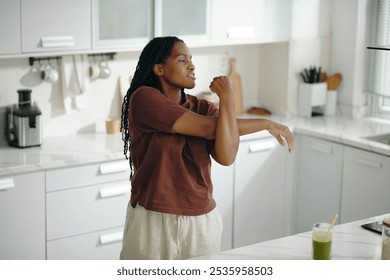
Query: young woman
169,137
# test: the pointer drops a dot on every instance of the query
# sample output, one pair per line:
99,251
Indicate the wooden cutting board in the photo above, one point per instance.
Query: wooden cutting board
235,79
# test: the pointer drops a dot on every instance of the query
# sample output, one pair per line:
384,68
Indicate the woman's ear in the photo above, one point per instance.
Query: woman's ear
158,70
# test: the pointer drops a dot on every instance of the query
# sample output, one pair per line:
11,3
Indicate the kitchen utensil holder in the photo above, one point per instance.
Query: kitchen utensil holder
312,99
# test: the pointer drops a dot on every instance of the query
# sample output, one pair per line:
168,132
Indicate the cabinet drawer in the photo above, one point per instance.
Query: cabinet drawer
59,179
82,210
103,245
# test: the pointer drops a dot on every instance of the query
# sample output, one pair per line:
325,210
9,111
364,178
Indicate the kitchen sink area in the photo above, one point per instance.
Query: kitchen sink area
381,138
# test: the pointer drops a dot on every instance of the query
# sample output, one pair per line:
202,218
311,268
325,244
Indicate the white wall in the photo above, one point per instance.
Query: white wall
348,53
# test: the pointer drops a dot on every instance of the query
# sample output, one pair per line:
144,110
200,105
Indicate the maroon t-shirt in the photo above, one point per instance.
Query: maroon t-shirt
172,171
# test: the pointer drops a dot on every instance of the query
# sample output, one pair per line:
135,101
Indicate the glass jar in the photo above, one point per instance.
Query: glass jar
386,239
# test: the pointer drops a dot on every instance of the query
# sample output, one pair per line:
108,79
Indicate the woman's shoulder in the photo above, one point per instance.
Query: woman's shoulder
146,89
146,93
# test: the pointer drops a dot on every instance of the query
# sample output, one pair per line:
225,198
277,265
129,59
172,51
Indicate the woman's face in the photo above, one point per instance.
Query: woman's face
177,72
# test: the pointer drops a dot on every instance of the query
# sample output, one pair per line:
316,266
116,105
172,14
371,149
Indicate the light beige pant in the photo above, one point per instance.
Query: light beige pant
150,235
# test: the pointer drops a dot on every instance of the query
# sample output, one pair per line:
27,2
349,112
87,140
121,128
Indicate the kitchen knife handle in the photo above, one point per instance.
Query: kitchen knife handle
111,237
6,183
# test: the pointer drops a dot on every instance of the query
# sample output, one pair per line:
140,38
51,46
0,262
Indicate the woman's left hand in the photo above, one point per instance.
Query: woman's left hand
280,131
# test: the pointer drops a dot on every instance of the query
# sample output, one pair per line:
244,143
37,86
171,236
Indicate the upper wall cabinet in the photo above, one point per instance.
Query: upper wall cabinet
9,27
55,25
121,23
236,21
250,21
190,20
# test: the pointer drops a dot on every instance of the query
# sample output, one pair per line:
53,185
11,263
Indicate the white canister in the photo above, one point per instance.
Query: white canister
311,95
331,103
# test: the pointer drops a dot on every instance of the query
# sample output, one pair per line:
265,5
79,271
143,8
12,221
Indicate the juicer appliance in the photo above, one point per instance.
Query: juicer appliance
23,126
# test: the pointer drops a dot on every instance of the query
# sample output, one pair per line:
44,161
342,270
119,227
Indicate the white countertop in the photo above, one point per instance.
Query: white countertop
70,150
81,149
350,242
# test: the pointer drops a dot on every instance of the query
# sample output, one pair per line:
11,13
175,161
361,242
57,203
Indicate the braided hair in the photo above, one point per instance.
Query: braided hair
155,52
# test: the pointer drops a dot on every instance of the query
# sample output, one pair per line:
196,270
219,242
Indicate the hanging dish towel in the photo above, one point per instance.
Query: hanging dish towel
75,85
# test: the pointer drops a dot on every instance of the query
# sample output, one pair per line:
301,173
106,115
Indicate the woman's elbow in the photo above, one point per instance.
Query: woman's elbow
225,160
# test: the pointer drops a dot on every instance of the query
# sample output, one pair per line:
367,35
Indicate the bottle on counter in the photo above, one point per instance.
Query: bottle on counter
386,239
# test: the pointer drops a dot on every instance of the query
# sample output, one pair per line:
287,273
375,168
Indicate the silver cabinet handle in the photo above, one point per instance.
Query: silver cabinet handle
114,167
57,41
262,146
115,189
6,183
111,237
321,148
373,162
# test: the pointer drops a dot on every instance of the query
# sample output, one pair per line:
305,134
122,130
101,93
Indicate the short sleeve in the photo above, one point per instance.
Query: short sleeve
152,111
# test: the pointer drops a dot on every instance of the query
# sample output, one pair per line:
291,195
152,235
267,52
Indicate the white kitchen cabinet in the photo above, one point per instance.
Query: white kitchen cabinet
320,165
237,21
101,245
259,191
121,23
278,15
22,217
187,19
223,178
366,185
250,21
10,35
55,25
86,210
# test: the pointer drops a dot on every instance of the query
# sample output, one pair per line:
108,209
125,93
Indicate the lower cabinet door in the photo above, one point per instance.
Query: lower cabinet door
223,178
102,245
259,195
22,217
366,185
320,165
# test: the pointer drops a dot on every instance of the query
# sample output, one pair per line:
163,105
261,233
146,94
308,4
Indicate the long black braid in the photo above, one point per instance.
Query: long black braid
155,52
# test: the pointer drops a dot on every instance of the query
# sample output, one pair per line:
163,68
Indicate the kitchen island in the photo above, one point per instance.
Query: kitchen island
350,242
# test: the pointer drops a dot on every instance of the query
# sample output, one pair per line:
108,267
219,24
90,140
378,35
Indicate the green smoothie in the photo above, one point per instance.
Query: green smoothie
322,245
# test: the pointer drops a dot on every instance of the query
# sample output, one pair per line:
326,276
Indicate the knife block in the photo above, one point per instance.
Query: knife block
311,99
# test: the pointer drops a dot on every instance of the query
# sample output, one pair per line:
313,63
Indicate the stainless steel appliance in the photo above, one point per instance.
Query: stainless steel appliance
23,122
